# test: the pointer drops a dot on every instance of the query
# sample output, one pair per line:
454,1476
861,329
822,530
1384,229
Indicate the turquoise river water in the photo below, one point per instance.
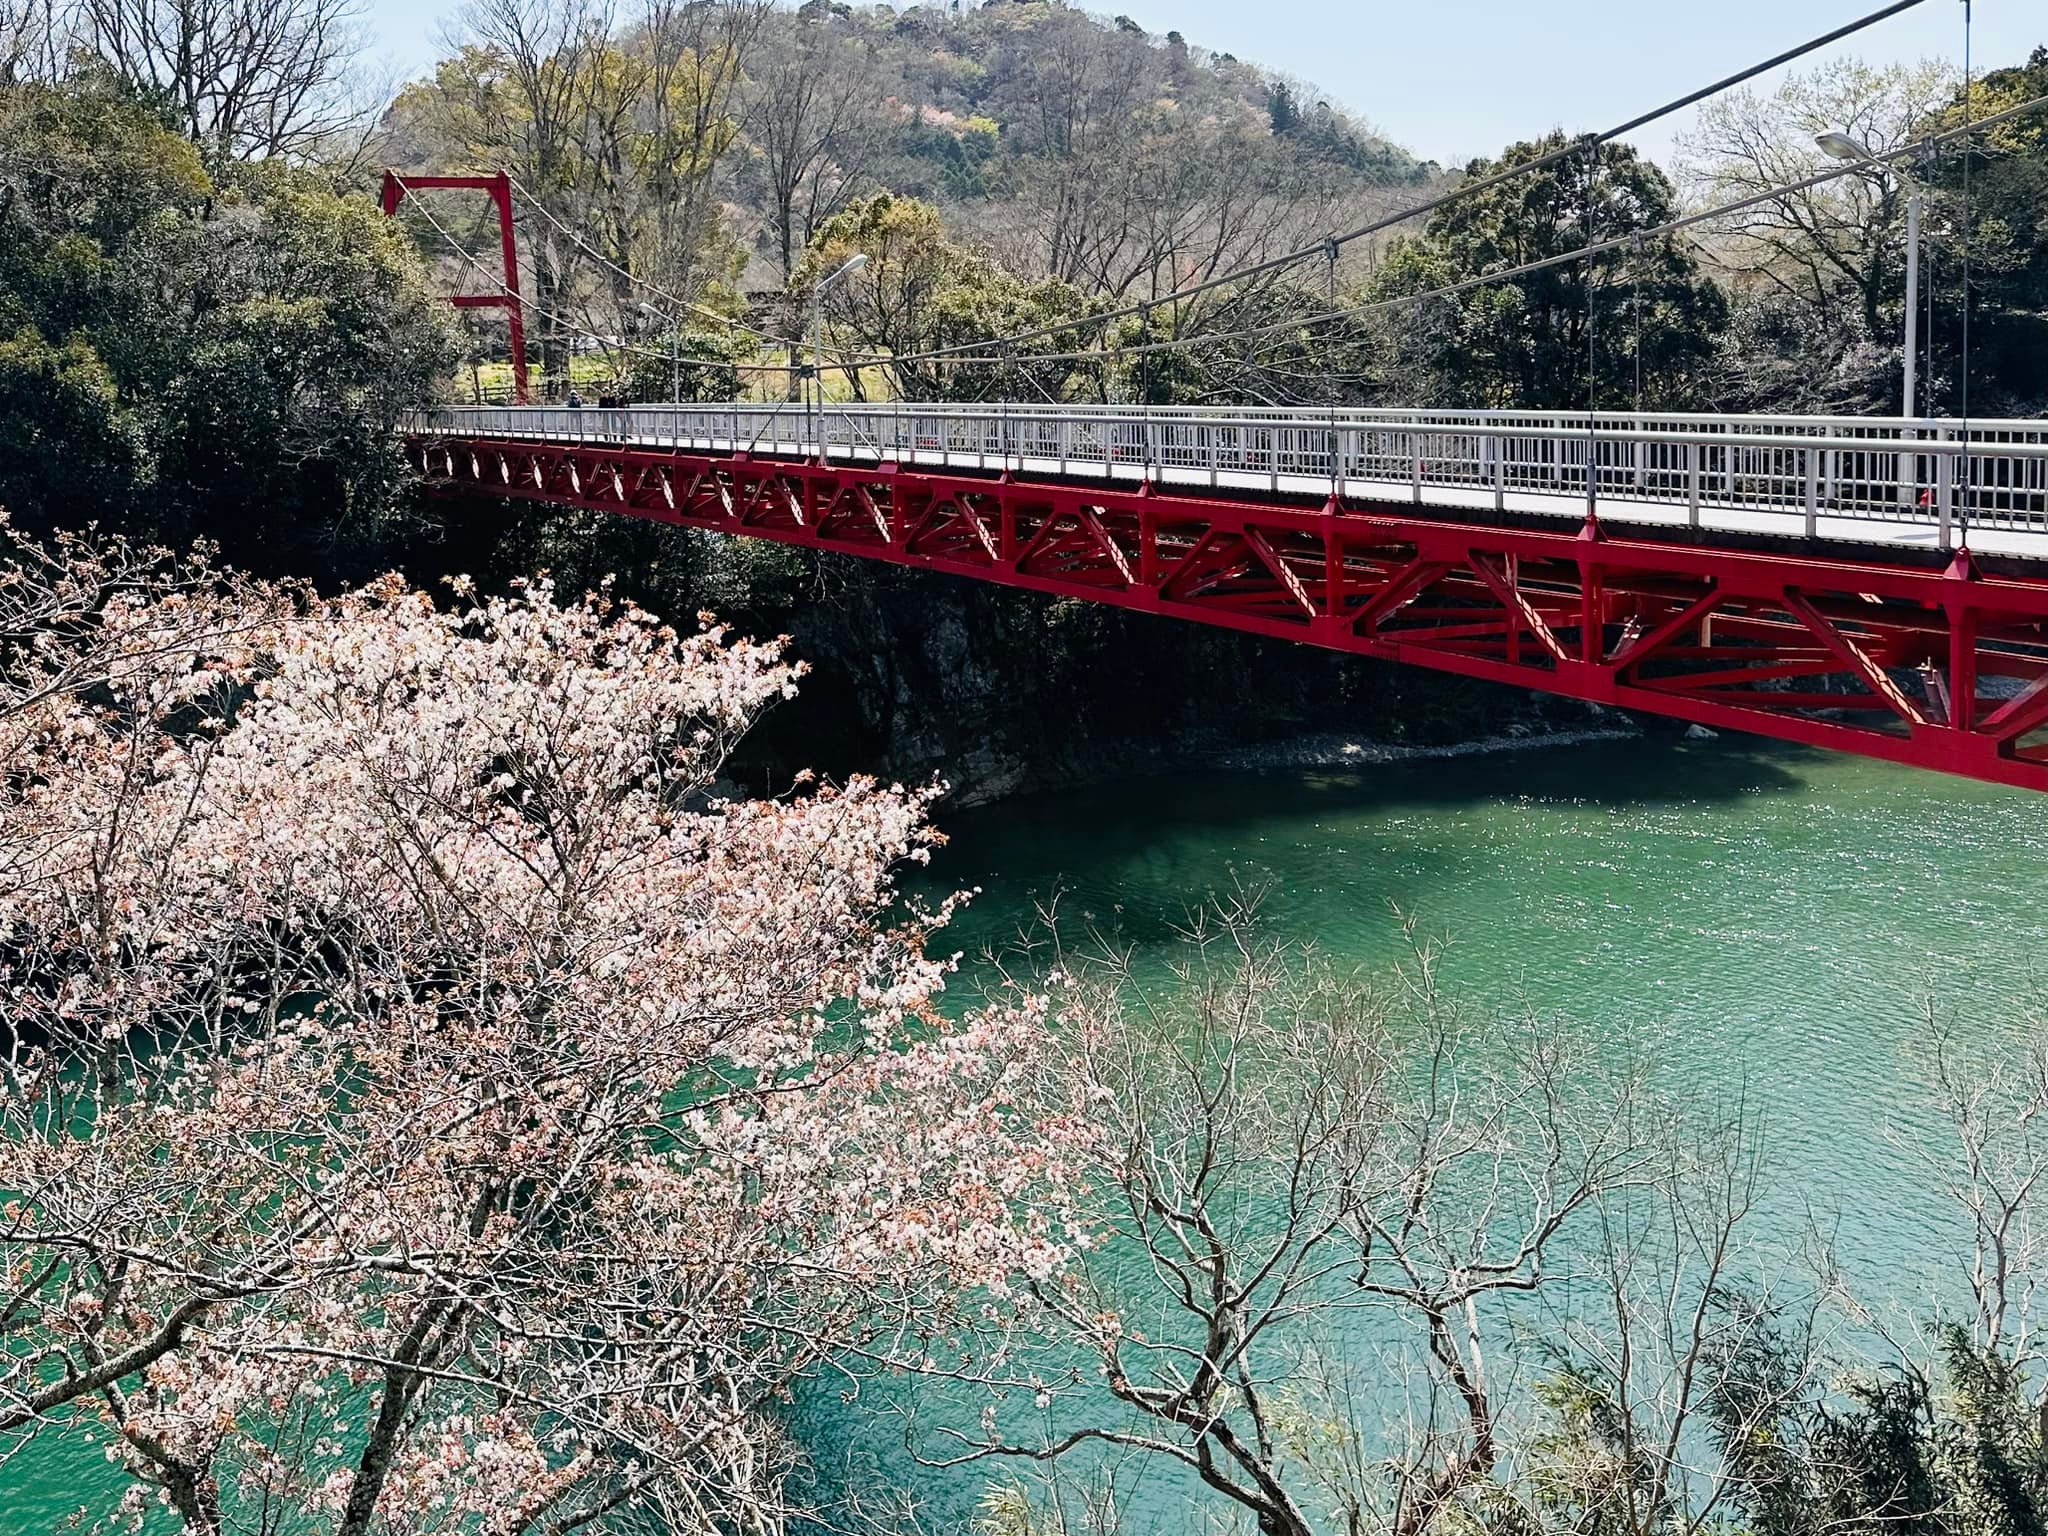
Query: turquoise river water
1774,920
1768,924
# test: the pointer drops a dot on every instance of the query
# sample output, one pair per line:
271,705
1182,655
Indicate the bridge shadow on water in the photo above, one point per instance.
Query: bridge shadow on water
1650,769
1137,856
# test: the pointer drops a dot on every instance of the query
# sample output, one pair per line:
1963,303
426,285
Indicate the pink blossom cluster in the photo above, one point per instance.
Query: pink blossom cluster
432,1100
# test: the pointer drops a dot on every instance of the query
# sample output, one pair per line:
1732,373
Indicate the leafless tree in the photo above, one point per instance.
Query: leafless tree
1995,1171
814,110
1833,248
33,37
665,142
1118,194
1331,1202
1075,90
1660,1345
521,107
615,125
247,78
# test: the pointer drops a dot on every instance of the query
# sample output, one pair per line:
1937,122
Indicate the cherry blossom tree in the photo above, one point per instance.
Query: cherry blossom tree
429,1101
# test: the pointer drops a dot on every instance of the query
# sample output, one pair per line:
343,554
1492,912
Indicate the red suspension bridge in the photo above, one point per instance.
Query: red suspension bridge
1867,587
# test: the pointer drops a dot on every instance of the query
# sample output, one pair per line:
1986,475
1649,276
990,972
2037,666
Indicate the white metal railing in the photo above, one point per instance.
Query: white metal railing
1769,473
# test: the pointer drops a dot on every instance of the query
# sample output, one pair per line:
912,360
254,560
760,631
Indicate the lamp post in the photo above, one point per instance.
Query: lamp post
846,269
675,353
1842,147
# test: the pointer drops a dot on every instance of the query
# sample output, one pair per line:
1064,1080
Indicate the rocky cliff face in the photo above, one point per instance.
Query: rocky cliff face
1000,692
995,691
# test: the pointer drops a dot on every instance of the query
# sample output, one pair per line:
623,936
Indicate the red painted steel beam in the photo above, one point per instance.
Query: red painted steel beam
499,189
1945,670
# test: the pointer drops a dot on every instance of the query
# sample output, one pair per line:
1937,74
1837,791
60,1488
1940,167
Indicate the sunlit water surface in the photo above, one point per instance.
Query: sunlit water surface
1770,923
1770,926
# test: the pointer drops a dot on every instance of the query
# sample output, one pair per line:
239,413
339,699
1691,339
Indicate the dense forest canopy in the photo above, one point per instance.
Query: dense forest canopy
186,342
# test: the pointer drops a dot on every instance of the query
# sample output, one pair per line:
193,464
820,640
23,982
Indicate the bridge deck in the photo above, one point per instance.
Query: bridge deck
1853,632
1840,479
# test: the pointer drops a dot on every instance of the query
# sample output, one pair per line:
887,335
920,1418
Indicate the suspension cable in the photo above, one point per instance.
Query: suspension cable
1636,304
1430,205
1486,279
1592,354
640,282
1963,490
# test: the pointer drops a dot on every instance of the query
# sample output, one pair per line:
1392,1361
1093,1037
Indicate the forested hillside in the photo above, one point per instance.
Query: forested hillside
1039,160
689,172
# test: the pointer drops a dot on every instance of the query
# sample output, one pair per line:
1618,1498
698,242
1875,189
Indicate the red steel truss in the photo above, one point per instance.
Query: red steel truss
1939,668
499,187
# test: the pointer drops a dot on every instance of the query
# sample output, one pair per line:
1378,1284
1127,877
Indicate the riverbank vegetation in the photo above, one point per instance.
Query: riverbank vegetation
1378,1260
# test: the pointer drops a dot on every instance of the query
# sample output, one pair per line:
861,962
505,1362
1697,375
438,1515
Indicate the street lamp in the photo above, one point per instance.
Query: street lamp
846,269
1842,147
675,353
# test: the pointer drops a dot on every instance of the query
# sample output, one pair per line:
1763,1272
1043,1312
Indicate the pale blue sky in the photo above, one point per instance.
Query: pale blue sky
1449,80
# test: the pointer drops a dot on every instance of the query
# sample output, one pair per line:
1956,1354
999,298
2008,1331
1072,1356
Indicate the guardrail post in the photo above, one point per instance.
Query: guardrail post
1496,453
1945,497
1812,459
1415,465
1692,485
